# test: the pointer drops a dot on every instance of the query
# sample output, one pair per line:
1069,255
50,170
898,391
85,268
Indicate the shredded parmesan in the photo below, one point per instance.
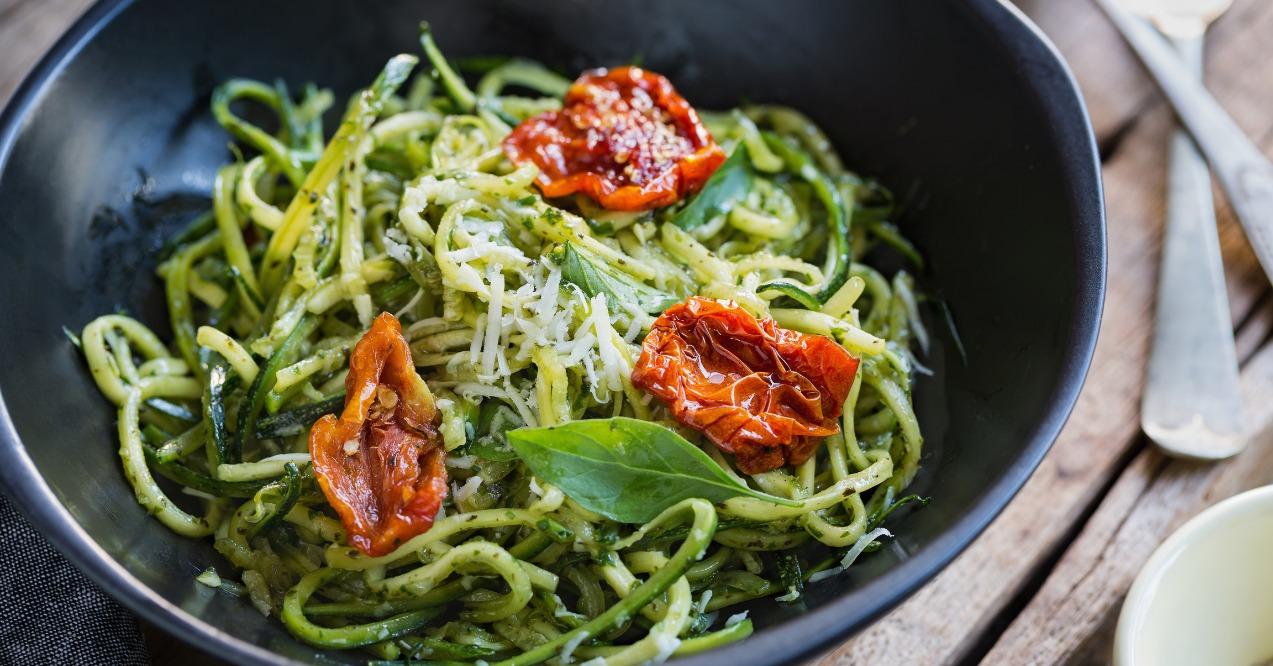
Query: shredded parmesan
667,644
490,346
703,601
462,493
851,556
568,648
461,462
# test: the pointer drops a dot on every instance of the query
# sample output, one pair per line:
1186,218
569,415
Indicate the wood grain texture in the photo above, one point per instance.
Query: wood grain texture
1099,483
1113,84
1072,618
1257,331
27,29
955,617
947,619
1149,478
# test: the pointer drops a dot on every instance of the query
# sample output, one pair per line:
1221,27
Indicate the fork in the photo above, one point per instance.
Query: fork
1192,403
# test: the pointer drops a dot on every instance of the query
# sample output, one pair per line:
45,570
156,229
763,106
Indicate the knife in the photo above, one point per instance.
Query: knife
1245,174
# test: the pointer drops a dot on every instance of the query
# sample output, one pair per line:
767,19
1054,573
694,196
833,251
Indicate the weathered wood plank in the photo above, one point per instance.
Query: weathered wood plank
1072,618
27,30
1256,333
947,620
1112,82
1239,73
948,617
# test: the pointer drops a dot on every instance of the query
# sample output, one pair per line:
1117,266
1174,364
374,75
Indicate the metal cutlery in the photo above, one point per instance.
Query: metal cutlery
1245,174
1192,402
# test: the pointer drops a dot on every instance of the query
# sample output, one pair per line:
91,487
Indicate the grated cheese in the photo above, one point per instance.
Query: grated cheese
494,317
703,601
462,493
851,556
667,644
461,462
568,648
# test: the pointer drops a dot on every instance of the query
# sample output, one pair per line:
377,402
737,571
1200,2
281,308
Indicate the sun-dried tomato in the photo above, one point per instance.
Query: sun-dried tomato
624,137
381,462
763,393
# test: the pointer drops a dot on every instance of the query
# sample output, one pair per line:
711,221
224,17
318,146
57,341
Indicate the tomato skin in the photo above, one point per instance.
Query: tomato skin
389,487
624,137
763,393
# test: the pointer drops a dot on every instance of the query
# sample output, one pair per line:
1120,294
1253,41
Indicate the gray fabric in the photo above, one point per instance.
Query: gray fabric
50,613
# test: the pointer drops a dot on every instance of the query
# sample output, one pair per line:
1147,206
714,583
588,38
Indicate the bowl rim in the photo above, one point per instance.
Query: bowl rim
1060,102
1140,597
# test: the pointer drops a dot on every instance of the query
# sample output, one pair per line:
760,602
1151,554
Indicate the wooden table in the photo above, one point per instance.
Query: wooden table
1045,582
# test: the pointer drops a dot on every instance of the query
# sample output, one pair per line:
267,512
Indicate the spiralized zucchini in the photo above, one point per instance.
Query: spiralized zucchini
411,208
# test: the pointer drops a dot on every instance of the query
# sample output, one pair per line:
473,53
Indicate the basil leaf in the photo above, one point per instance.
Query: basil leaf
727,186
594,276
625,469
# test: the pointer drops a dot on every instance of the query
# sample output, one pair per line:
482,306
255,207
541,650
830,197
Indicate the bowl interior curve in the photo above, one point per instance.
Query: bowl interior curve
958,107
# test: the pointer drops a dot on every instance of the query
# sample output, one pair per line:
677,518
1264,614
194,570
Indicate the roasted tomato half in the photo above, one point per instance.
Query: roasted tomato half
624,137
381,462
763,393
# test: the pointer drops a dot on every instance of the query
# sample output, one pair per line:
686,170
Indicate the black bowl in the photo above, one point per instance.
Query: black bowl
962,107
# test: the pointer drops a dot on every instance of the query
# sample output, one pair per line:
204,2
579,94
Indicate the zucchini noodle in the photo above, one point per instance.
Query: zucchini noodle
411,208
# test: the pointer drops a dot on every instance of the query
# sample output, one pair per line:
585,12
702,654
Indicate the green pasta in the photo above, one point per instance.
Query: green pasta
521,312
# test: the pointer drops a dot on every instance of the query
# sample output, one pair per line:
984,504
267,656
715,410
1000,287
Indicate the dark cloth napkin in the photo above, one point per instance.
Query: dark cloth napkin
50,613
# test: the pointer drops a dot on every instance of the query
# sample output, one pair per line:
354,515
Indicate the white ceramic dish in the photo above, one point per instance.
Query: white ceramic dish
1205,597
